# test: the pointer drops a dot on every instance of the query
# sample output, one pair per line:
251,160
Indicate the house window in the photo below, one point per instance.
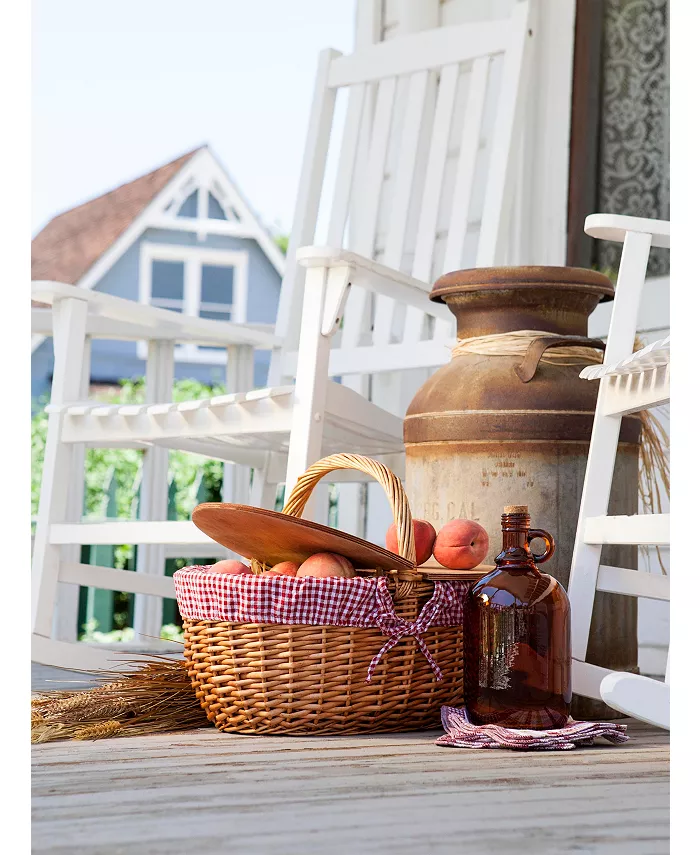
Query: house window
214,208
217,292
216,212
189,206
168,285
197,281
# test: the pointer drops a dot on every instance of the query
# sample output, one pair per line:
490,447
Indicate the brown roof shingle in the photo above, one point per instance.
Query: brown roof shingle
70,243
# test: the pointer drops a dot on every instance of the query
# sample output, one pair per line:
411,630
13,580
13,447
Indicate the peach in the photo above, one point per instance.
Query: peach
461,545
424,535
284,568
229,565
324,564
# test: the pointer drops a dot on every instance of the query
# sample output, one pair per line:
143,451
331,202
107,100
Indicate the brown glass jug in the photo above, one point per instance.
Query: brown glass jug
517,636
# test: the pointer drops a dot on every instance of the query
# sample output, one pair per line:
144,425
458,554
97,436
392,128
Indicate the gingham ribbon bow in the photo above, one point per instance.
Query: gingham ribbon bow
397,628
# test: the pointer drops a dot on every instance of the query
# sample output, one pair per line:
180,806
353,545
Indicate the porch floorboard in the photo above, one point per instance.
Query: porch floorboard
204,791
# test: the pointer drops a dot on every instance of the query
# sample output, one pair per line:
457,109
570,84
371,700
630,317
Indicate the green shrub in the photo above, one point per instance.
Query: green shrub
169,632
126,462
125,465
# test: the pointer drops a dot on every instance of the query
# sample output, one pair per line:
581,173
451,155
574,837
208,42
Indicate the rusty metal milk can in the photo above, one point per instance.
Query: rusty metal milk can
506,422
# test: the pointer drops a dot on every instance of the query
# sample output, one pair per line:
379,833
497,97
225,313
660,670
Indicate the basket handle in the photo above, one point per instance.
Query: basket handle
294,506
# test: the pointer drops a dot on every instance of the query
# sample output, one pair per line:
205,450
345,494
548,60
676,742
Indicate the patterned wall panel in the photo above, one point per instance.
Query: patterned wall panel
633,165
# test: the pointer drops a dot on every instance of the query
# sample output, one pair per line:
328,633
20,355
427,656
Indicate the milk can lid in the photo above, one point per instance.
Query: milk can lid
498,278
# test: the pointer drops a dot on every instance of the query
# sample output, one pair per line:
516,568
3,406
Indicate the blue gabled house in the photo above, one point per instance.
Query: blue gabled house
181,237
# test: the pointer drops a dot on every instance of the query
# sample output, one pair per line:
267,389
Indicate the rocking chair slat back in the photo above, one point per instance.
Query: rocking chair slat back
346,164
508,117
421,157
404,189
432,195
370,189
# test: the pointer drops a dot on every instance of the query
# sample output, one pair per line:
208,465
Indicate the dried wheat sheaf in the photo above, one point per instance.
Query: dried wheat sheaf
654,467
154,697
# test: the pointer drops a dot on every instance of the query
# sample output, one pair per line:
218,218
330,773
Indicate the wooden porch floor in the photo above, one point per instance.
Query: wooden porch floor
203,791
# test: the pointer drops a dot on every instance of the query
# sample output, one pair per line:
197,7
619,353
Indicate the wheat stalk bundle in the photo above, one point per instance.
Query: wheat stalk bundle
654,466
154,697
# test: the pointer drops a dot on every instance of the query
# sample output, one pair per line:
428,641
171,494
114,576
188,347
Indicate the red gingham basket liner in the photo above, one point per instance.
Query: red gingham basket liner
334,601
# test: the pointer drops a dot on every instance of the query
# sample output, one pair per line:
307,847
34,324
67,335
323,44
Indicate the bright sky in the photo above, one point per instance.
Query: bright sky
122,86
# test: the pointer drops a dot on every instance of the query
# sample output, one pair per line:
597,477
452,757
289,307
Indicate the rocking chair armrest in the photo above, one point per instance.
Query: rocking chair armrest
116,317
615,227
374,277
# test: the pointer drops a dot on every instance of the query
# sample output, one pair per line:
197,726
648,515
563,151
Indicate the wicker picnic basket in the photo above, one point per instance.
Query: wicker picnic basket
255,678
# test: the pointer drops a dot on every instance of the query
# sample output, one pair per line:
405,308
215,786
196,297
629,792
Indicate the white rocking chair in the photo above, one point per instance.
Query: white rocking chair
425,93
629,382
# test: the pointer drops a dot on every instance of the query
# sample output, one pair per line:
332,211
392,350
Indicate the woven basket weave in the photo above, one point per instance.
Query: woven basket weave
258,678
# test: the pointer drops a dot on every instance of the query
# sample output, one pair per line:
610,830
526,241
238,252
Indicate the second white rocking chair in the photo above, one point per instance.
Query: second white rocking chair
629,382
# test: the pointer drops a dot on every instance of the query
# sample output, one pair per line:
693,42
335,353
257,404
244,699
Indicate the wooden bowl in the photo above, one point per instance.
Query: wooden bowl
273,537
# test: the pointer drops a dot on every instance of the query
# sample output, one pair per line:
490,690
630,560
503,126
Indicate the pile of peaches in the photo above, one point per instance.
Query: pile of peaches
321,565
460,545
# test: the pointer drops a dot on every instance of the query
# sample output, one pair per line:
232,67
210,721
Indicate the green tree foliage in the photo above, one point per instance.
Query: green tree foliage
39,422
126,462
282,242
184,470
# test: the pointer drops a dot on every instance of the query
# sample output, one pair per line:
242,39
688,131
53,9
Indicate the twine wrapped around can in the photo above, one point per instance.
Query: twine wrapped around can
516,343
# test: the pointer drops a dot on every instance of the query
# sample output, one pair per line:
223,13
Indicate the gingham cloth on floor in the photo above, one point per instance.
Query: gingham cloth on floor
361,602
461,733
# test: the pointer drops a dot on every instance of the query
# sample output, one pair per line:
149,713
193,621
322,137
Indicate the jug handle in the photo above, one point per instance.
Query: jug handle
528,367
549,544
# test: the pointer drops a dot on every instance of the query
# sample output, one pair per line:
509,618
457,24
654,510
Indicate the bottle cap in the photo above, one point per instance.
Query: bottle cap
515,509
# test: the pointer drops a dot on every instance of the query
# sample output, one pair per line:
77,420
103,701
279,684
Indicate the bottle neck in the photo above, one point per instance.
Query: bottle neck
516,552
